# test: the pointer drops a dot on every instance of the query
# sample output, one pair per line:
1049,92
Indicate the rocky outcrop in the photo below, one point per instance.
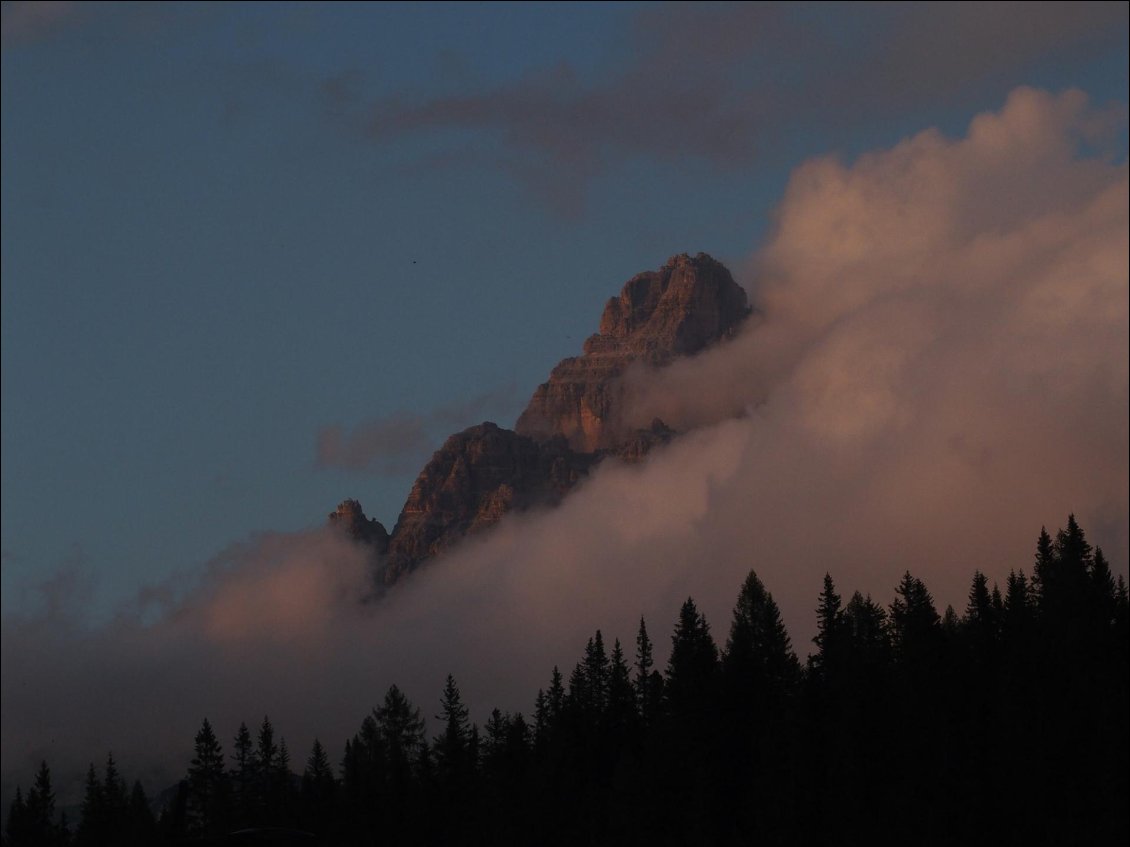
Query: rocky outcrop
478,475
685,306
572,422
350,518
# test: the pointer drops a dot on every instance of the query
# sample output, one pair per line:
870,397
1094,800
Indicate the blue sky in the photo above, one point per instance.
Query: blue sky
227,227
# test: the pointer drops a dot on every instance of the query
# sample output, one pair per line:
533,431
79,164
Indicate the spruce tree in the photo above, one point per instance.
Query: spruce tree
39,810
115,797
596,672
693,667
92,824
648,682
621,712
401,732
915,624
451,744
829,626
16,827
142,826
244,774
206,784
758,658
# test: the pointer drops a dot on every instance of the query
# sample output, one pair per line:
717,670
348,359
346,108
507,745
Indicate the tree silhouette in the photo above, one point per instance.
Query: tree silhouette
207,800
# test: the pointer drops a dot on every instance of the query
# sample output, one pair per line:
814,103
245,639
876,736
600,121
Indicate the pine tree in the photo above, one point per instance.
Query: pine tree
915,624
318,787
266,756
644,660
541,721
451,744
979,611
115,797
142,826
829,637
596,672
758,660
92,824
867,632
39,810
17,826
1043,570
555,697
206,784
494,744
401,731
621,712
648,682
244,774
693,667
280,786
1102,587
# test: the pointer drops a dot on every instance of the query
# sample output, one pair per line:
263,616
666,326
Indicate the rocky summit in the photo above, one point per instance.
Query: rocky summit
572,422
684,307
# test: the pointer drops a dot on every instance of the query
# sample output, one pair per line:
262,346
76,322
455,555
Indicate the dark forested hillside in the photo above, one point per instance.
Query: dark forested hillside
1004,722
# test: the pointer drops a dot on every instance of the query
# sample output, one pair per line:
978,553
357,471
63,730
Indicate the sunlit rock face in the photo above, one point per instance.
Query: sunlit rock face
685,306
572,422
478,475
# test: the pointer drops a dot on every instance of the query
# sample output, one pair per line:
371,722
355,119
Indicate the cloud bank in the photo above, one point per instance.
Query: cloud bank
939,367
729,84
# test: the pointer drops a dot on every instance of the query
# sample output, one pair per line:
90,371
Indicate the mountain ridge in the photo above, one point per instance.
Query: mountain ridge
573,421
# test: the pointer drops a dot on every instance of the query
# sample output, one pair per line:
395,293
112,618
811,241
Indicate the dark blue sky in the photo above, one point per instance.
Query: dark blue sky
229,227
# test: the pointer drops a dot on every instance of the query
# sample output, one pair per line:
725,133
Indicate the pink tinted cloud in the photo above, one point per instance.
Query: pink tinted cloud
939,367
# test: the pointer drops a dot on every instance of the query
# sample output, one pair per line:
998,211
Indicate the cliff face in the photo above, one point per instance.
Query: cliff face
350,518
478,475
571,423
682,308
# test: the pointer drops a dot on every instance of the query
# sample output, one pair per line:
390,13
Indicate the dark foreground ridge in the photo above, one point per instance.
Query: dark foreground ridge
1006,724
572,422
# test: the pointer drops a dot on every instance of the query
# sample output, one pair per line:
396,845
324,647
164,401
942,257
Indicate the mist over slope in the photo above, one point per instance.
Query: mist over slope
938,366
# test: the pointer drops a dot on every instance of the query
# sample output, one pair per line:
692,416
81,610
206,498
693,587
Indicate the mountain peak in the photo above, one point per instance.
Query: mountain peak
350,518
678,310
571,424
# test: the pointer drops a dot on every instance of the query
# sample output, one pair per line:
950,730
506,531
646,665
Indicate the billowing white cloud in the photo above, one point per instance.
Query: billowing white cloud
939,367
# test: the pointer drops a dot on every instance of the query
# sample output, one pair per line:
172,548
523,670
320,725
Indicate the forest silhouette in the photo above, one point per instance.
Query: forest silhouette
1005,723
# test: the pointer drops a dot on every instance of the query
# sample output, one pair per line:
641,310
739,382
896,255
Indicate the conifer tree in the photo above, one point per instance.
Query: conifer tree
1102,587
451,744
829,625
401,731
596,672
979,611
115,797
92,825
142,826
206,785
621,711
266,754
16,827
555,696
648,682
693,666
867,633
39,810
914,620
541,721
758,659
244,774
494,744
318,788
1043,569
